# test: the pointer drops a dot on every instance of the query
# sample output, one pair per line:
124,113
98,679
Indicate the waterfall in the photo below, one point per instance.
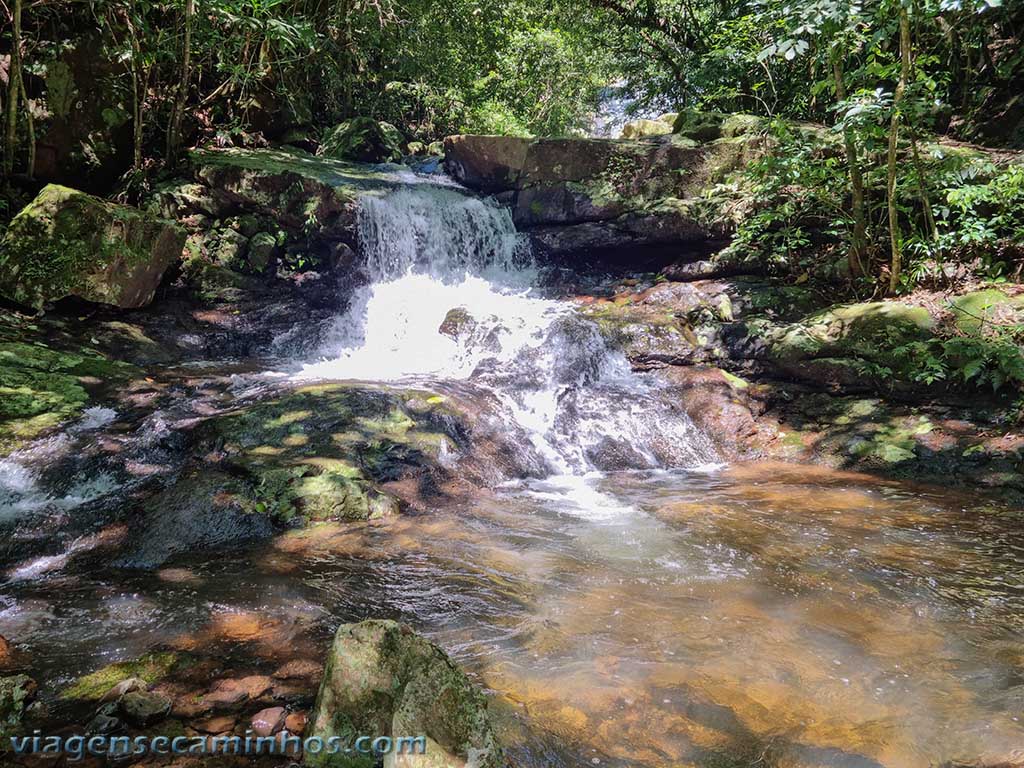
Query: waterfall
453,296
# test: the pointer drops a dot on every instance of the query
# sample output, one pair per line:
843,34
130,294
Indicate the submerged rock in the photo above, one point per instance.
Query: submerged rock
382,678
202,510
67,243
324,452
143,708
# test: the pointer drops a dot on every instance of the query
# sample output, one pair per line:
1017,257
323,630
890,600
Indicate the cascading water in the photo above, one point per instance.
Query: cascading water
453,296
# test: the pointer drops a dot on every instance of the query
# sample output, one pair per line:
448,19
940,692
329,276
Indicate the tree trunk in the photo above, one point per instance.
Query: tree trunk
181,95
858,240
13,89
29,124
922,191
138,97
896,267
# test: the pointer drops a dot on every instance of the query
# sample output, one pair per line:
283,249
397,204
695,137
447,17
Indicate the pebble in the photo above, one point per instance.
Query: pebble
295,722
268,721
217,724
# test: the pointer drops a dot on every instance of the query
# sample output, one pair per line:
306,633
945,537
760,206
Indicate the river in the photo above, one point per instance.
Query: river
628,599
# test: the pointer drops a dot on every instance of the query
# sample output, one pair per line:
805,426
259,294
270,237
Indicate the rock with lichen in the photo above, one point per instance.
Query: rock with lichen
582,195
67,243
383,678
42,386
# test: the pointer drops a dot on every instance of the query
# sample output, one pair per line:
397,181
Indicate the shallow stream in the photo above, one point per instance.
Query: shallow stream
636,603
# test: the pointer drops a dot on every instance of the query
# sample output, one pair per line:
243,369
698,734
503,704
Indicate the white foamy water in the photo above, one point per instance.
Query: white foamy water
452,297
20,490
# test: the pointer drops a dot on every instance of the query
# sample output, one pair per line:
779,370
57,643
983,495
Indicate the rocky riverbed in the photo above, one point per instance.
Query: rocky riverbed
194,499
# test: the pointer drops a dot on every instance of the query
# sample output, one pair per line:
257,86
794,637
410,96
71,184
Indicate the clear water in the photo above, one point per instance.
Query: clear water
809,616
638,605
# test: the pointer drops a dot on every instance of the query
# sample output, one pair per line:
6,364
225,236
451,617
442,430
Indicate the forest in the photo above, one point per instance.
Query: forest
536,383
152,79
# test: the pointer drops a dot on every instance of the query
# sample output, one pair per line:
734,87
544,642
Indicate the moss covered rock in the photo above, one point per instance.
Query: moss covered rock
854,330
320,452
41,387
67,243
382,678
973,311
638,129
704,126
16,693
149,669
364,140
302,194
577,195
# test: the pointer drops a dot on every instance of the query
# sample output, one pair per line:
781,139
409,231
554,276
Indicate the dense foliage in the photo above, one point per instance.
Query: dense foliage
178,67
884,76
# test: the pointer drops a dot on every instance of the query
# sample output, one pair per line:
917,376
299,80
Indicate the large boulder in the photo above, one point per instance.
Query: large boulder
587,195
203,510
302,195
486,163
67,243
383,679
317,453
863,330
86,131
363,140
645,127
709,126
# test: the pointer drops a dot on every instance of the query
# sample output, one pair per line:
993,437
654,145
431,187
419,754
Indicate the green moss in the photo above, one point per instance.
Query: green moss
41,387
363,139
62,242
15,693
152,668
739,124
319,451
699,126
735,381
854,330
381,672
345,179
973,310
60,89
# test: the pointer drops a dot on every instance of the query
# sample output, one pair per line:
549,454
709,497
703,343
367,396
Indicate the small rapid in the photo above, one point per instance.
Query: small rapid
453,294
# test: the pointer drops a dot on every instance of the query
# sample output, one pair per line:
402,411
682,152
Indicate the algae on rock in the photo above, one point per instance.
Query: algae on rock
382,678
67,243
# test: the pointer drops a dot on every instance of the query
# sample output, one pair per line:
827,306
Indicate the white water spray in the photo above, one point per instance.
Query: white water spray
453,297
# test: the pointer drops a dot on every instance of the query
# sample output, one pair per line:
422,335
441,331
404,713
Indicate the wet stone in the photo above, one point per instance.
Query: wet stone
300,669
144,708
295,722
217,724
125,686
268,721
105,721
